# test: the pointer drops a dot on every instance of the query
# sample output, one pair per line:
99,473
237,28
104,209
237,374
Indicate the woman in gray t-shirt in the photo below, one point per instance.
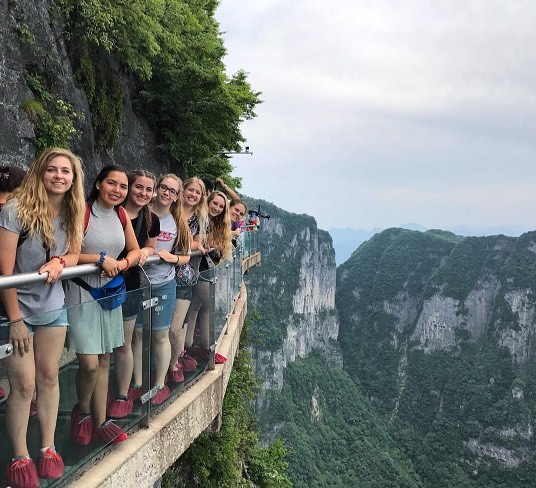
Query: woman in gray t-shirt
40,229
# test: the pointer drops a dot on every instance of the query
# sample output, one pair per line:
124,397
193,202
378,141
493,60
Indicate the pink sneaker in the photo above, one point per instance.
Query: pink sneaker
161,396
187,363
134,393
110,432
81,427
50,465
2,393
177,376
219,359
22,473
119,408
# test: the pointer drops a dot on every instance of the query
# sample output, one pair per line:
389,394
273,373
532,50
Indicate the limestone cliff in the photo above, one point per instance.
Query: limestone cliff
439,330
293,293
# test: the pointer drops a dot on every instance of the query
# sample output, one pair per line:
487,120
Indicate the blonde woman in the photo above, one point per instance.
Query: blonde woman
40,229
218,239
173,246
194,209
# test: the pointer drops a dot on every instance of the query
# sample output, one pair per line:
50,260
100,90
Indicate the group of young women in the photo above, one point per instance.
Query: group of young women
46,225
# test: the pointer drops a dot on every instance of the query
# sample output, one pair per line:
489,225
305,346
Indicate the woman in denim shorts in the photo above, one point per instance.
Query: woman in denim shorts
40,229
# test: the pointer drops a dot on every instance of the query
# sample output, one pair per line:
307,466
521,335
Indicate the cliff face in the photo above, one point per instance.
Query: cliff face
293,292
29,36
439,330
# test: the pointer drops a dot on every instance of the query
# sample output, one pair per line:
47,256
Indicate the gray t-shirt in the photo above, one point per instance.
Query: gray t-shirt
162,271
38,298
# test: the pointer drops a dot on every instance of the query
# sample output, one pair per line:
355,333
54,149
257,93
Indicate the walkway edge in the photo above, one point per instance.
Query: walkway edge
148,453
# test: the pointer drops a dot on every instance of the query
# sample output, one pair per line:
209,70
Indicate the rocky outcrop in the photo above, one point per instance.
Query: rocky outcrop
29,35
294,294
439,330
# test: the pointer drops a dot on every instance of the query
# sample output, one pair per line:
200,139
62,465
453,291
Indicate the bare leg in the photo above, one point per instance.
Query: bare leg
86,378
162,354
48,346
137,350
191,316
177,331
21,374
100,393
124,360
203,326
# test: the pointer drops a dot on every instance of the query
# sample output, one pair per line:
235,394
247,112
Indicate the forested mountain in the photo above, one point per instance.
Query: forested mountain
439,331
437,375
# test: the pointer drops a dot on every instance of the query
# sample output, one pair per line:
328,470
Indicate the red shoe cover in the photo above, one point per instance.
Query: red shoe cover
50,465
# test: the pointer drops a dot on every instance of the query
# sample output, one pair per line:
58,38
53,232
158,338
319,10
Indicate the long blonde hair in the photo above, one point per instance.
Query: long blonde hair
182,244
220,228
200,208
33,205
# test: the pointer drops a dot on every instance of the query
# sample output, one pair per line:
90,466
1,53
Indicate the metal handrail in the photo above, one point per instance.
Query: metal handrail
13,281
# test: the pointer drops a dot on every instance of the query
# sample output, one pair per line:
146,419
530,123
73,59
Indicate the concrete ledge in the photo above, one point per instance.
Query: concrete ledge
147,454
249,261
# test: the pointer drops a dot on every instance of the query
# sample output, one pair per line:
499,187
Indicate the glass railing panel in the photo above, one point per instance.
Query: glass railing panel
222,294
76,457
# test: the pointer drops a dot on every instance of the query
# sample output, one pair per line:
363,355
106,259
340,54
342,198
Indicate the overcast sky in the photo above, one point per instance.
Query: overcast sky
383,113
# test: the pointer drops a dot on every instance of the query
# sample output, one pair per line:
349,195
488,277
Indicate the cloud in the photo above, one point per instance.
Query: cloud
413,111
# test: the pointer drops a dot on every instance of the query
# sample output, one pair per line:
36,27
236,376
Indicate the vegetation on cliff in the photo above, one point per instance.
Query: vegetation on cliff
462,411
232,457
167,55
335,438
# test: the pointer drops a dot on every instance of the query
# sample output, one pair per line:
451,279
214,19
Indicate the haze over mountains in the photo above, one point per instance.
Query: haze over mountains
347,240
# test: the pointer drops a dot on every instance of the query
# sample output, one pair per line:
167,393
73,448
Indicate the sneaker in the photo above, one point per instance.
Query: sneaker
49,465
119,408
161,396
134,392
81,427
22,473
109,431
177,376
219,359
187,363
2,393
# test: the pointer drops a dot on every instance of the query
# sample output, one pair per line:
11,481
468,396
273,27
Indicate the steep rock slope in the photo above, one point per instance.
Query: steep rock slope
439,330
293,292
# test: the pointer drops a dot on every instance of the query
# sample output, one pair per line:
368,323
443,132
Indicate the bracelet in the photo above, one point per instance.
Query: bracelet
100,262
128,263
62,261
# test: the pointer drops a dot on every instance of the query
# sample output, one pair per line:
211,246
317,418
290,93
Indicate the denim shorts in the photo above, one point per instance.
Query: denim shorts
60,321
161,313
132,304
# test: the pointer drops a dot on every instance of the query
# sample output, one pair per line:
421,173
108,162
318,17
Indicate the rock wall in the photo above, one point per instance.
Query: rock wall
295,289
135,146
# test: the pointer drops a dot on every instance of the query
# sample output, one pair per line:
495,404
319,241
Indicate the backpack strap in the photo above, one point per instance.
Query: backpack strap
122,213
80,282
24,235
